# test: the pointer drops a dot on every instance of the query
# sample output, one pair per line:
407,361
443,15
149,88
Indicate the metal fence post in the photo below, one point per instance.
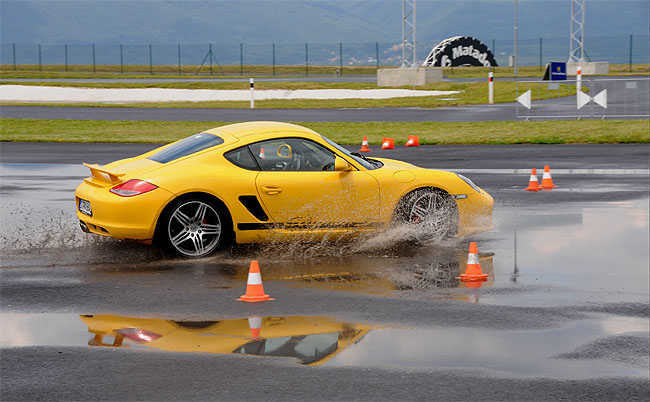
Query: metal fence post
94,68
273,51
40,64
150,60
631,36
180,71
341,58
377,53
490,87
13,50
252,82
306,59
65,47
121,60
241,59
540,54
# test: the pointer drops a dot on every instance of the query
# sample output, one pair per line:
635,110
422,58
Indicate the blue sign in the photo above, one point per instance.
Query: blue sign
558,71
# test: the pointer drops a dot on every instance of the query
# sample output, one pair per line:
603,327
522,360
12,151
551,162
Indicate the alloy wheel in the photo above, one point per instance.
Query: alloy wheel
194,228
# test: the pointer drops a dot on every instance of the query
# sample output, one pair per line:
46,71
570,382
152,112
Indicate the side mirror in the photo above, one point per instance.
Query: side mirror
341,165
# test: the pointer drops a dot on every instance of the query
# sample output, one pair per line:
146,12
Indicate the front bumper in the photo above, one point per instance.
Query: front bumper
475,213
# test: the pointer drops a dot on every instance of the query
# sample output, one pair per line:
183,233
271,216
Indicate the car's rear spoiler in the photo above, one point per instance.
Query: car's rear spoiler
104,175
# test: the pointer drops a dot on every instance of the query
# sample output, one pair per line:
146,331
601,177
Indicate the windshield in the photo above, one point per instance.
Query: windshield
369,164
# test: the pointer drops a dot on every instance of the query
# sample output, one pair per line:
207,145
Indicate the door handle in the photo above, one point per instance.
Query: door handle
271,190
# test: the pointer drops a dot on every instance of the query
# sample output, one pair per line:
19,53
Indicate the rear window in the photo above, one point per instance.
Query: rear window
242,157
188,146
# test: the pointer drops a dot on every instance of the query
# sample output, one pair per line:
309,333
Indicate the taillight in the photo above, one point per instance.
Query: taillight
133,187
138,335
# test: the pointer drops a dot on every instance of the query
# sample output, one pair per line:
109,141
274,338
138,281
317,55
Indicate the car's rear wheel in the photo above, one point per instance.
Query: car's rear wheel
431,212
194,227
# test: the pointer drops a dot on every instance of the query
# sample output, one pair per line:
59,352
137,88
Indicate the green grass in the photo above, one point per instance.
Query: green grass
471,93
542,132
171,71
535,71
190,71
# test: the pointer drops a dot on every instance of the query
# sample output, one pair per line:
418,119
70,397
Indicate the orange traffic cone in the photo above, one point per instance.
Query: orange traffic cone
532,183
364,145
254,287
413,141
473,272
387,143
255,324
547,180
262,155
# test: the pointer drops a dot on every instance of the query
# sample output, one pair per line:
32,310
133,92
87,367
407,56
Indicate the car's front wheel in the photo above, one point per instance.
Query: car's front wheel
432,213
194,227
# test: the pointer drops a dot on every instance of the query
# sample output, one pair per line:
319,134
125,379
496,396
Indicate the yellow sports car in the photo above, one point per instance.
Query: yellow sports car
270,181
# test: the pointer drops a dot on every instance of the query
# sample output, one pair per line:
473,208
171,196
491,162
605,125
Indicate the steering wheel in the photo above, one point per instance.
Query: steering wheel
285,151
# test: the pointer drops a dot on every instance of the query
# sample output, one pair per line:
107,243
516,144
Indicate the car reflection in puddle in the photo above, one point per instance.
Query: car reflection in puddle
434,268
312,340
592,347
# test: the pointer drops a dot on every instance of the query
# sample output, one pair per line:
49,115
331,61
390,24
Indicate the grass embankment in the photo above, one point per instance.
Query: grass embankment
192,71
542,132
470,93
171,71
535,71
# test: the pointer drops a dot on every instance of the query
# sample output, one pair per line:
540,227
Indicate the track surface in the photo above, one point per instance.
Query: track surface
477,113
569,156
115,278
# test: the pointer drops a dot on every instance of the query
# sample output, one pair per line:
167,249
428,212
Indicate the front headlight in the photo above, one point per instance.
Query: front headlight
469,182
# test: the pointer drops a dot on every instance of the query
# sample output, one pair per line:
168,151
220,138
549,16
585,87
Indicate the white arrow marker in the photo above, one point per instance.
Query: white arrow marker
601,98
583,99
525,99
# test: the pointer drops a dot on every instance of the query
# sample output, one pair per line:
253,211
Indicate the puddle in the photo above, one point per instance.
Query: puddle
568,352
398,270
556,255
601,249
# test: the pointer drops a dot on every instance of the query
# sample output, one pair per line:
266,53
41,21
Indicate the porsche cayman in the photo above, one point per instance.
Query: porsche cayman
270,181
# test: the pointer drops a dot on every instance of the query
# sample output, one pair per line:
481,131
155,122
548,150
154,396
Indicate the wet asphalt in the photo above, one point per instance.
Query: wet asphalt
550,324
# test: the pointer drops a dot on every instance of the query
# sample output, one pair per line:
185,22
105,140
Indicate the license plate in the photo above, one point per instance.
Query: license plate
84,207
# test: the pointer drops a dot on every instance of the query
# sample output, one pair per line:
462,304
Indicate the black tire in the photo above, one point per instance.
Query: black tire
432,212
194,227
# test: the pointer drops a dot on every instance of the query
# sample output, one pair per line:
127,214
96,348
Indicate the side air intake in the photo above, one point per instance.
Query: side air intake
253,206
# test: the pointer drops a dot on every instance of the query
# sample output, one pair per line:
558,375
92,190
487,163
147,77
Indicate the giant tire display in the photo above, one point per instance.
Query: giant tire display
460,51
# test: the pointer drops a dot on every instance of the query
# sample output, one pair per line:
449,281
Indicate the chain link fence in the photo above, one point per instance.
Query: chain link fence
219,58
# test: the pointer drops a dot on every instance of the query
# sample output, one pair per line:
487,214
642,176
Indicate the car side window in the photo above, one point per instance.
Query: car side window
292,154
242,157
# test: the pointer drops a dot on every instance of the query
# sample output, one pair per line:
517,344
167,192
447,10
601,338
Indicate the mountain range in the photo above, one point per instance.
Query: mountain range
258,21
